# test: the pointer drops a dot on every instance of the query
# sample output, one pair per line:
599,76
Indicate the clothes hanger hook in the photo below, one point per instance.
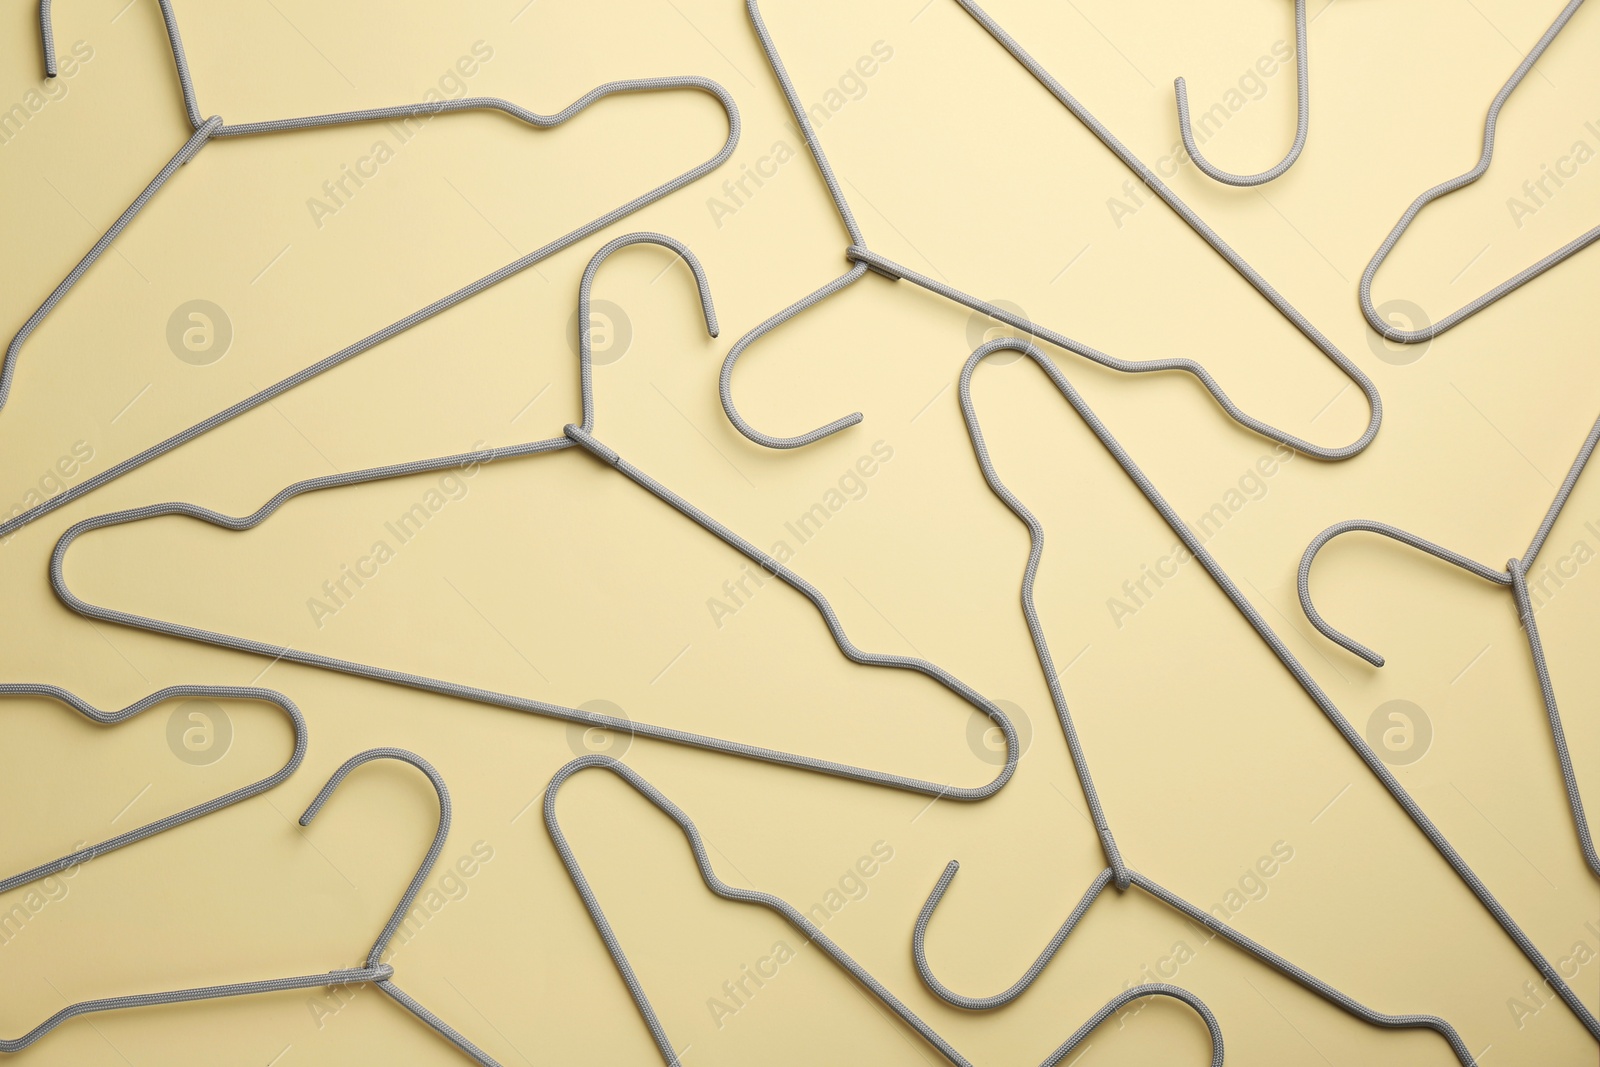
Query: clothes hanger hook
47,43
1302,123
586,286
426,867
1488,574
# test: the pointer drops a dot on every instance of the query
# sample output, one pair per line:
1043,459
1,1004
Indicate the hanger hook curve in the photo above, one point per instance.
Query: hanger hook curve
112,718
919,948
1302,122
426,867
1472,566
47,44
586,286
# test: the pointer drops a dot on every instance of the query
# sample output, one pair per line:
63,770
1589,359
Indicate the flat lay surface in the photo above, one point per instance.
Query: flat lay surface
551,577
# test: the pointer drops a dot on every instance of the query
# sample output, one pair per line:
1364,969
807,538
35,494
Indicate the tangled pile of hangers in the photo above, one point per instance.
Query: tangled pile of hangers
581,435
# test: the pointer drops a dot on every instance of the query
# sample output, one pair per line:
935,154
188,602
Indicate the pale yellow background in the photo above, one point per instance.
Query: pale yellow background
555,579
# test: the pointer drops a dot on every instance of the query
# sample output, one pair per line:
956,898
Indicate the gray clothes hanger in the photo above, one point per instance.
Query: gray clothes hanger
207,129
1302,122
1198,550
374,970
1516,281
112,718
1515,577
864,260
582,436
813,935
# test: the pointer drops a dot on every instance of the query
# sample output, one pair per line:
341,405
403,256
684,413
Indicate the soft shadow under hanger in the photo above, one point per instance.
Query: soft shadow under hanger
1302,122
1324,703
112,718
583,437
206,129
865,259
1521,278
1514,576
374,970
795,918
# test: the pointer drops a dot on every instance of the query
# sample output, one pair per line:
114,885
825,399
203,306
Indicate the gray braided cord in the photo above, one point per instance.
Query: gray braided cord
1324,703
8,366
1303,581
882,264
1305,979
1580,822
795,918
725,383
586,288
803,119
1302,122
888,268
1560,501
573,434
1041,644
1515,576
466,692
47,38
1322,989
134,462
352,976
47,41
1517,280
112,718
445,1030
919,944
375,956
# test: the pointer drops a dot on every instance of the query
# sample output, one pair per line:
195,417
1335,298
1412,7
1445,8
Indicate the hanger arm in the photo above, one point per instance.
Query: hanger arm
1516,281
112,718
350,976
586,287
